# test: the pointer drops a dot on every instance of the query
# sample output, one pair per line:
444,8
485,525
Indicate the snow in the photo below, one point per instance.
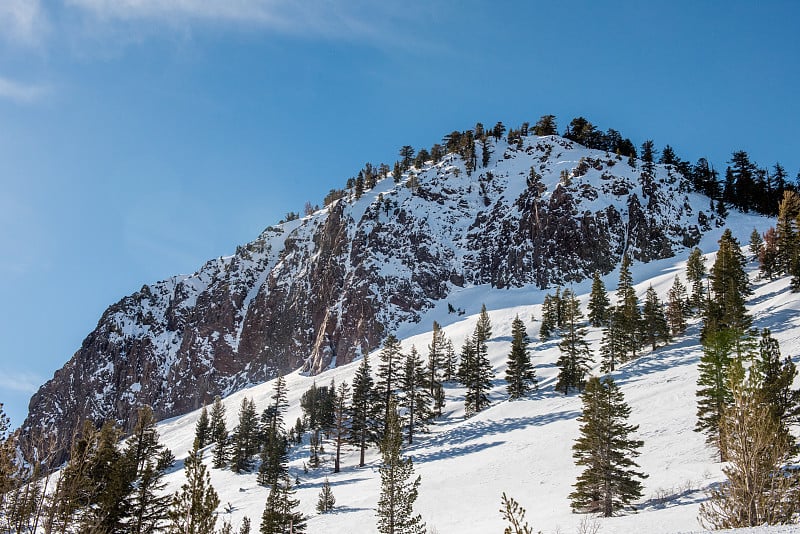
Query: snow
522,447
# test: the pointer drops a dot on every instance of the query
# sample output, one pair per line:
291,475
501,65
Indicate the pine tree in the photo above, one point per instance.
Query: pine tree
275,447
219,434
361,408
573,363
774,378
450,363
436,363
729,283
476,371
713,385
515,515
280,512
8,469
202,432
630,318
654,321
245,526
398,489
606,450
786,232
388,375
341,421
520,374
193,506
109,483
546,125
326,499
244,442
756,244
677,307
612,344
695,273
758,491
415,398
549,318
149,461
599,304
768,260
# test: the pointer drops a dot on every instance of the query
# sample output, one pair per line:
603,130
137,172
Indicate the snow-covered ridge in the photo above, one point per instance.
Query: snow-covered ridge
322,290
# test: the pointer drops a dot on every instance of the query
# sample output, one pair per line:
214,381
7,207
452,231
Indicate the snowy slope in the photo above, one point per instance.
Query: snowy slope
521,447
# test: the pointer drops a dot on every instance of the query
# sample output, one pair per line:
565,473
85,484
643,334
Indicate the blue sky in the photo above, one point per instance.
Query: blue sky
139,138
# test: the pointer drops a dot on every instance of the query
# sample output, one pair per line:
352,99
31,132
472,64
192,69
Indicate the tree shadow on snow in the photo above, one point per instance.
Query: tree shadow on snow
452,452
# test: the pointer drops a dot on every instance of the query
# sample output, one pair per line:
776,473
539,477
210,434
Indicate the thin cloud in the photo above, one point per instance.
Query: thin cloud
24,22
21,92
311,18
21,382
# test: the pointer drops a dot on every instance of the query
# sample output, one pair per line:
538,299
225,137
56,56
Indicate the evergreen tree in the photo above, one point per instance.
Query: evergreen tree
713,385
654,321
549,318
436,363
599,303
326,499
8,469
520,374
768,259
757,490
398,489
202,432
729,286
574,361
388,375
193,506
449,361
275,447
476,371
774,378
546,125
149,461
786,232
341,421
415,398
606,450
219,434
245,526
109,484
756,244
244,443
677,307
630,318
695,273
361,408
280,512
515,515
612,344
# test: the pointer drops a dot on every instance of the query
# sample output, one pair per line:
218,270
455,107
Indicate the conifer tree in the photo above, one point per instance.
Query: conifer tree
768,260
219,434
546,125
713,383
436,362
398,487
450,363
244,443
520,375
341,421
415,398
275,447
515,515
149,461
573,363
757,490
193,506
606,450
388,375
361,408
629,320
695,273
725,307
774,378
476,371
8,470
202,432
677,307
612,344
786,232
599,303
109,485
280,512
654,321
756,244
549,318
326,499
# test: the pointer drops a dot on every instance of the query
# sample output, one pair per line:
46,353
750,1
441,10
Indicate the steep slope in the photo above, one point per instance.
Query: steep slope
521,447
320,291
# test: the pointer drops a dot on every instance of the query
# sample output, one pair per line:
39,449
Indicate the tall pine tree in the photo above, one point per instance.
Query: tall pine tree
573,364
415,398
194,505
599,304
654,321
362,409
520,374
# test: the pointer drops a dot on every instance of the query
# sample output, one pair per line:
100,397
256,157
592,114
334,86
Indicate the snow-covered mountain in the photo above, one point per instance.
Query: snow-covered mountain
521,447
318,292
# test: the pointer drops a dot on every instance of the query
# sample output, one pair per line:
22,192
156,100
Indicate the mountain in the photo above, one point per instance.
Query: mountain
320,291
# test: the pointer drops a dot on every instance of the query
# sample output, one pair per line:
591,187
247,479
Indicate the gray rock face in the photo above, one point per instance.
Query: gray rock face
323,290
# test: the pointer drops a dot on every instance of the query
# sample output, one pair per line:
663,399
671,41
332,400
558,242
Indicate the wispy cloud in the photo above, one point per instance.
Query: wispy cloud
352,19
23,22
22,92
22,382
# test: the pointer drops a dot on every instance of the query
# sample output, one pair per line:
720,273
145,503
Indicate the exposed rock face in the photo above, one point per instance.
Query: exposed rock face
325,289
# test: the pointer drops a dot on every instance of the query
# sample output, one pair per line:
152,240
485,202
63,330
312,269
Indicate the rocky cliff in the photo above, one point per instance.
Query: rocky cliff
327,288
